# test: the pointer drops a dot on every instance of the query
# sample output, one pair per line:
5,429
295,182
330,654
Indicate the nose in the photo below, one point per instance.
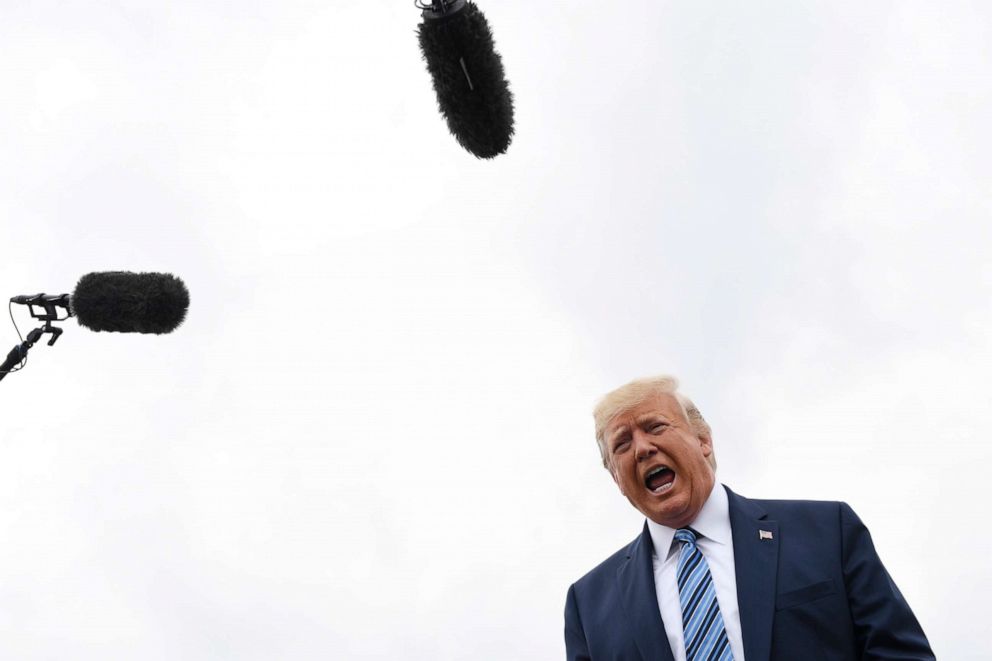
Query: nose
643,446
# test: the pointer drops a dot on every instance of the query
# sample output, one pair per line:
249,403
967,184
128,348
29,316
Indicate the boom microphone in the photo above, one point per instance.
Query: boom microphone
125,302
115,301
471,87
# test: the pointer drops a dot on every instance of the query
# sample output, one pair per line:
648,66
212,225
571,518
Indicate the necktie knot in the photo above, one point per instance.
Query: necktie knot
686,536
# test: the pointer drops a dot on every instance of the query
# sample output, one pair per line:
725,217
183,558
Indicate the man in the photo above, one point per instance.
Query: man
715,576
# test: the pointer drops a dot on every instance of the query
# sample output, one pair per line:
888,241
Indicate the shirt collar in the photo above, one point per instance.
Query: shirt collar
712,522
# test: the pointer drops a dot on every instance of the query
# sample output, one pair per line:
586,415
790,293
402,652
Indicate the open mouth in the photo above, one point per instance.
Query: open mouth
660,479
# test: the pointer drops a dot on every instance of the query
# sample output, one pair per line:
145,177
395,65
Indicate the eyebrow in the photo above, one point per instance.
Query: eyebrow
640,421
616,433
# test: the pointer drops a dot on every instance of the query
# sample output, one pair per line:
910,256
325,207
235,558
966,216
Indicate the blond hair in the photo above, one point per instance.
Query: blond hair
635,393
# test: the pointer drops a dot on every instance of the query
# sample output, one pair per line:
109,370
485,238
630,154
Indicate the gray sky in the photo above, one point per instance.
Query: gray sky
372,437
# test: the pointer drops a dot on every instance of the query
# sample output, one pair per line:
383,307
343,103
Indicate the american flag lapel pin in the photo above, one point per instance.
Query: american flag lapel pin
764,534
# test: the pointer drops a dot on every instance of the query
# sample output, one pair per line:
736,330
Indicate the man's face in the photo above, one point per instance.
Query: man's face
660,462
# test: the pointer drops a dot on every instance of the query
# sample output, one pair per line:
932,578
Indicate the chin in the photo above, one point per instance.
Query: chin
672,511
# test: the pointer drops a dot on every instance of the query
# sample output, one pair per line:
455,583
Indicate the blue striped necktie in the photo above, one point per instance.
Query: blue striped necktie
702,624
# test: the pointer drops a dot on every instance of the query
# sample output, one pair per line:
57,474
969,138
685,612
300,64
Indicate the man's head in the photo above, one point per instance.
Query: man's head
658,448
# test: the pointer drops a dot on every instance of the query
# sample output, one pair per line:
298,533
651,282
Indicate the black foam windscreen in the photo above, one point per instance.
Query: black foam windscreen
125,302
472,91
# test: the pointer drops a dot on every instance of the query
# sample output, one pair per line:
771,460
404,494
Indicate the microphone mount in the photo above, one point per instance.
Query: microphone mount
49,305
439,8
43,308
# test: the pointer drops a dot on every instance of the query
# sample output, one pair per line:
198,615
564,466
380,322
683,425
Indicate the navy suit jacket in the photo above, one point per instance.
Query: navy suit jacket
815,591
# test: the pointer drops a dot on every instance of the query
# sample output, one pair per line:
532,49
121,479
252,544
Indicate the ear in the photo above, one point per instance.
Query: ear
705,441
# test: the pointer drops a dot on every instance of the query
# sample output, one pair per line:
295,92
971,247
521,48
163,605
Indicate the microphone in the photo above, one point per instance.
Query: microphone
472,92
115,301
125,302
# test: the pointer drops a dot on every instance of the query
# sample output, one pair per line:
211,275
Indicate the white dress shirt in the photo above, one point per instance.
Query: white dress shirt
717,546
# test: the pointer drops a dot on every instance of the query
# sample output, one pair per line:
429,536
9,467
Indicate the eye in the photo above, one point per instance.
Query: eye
621,446
658,427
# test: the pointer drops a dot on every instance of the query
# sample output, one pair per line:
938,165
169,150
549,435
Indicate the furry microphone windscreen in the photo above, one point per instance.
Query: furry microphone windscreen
471,86
125,302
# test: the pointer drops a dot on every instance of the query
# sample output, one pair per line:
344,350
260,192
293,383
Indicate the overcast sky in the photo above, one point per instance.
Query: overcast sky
372,439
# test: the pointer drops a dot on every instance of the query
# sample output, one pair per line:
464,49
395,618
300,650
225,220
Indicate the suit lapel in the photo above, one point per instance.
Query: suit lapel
756,562
635,578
